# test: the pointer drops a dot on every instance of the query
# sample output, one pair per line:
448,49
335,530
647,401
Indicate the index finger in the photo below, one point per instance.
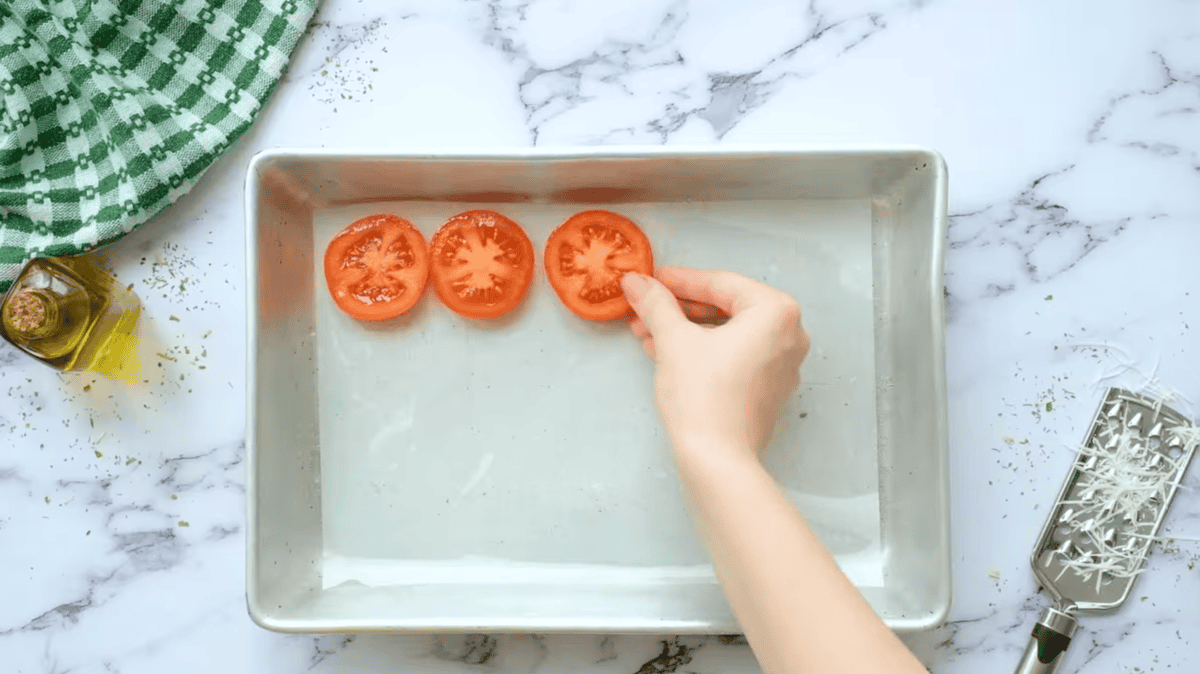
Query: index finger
728,291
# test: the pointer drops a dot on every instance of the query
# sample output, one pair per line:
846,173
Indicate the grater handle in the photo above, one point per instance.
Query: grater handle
1048,644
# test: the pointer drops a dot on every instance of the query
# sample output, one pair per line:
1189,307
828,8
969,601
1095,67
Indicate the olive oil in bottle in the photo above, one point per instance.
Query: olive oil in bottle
72,315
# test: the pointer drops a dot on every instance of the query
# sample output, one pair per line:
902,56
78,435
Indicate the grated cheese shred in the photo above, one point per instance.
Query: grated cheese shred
1118,499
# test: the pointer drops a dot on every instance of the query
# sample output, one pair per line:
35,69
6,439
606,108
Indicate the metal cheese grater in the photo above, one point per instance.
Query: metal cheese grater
1100,530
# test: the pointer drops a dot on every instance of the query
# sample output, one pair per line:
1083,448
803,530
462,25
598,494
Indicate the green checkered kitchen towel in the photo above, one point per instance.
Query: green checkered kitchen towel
110,110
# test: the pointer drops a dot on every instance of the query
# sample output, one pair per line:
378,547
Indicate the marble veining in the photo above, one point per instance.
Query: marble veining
1073,140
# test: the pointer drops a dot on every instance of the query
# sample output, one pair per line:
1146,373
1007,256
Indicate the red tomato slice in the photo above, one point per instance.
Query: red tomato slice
376,267
482,264
587,256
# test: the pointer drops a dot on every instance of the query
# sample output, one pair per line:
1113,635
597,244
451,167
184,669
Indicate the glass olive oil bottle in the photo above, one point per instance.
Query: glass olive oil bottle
70,314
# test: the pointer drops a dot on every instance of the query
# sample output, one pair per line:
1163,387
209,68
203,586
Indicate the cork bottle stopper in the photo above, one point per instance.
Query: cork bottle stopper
25,311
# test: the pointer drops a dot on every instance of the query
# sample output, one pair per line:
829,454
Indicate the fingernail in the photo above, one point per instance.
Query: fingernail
634,283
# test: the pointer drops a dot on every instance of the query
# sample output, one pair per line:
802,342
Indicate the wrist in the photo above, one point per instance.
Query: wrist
710,454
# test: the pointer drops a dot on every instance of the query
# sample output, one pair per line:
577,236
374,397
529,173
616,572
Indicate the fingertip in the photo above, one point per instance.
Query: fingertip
634,284
648,347
638,326
652,302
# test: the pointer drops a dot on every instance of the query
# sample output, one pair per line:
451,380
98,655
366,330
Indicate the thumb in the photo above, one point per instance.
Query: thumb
652,302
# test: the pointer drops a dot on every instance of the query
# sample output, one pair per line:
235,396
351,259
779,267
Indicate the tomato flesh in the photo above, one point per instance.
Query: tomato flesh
587,256
376,267
482,264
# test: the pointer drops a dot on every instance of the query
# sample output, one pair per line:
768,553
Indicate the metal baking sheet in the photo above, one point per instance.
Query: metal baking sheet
437,473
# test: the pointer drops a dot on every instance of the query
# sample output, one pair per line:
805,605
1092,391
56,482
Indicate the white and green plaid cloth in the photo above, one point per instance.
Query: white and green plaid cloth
110,110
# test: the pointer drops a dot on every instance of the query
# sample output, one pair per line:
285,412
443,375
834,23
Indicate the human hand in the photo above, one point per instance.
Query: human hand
718,386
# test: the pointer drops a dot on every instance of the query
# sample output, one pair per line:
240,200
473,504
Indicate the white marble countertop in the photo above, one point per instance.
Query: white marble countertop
1072,134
